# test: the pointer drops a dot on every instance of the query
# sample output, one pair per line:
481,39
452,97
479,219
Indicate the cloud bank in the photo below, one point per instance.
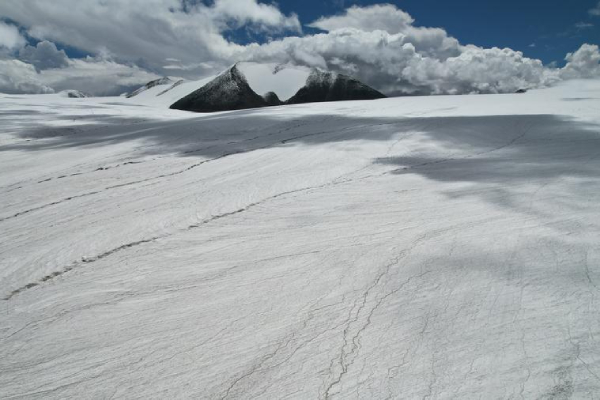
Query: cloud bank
44,55
10,37
380,45
145,39
584,63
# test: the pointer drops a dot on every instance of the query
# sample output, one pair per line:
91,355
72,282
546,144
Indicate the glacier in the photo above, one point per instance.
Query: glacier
419,247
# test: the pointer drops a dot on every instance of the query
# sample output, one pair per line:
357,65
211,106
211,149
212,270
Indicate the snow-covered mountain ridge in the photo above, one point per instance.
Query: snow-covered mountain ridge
150,85
239,87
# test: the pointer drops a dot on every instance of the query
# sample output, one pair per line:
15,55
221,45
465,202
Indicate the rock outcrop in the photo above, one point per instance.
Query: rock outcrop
329,86
228,91
272,99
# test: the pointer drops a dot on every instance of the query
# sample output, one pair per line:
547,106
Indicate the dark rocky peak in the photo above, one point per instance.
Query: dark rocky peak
228,91
330,86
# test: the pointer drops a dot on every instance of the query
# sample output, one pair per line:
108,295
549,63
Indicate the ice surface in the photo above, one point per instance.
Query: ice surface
421,247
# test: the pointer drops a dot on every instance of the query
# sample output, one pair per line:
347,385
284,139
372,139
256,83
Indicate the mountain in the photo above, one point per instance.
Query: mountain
173,86
228,91
329,86
150,85
254,85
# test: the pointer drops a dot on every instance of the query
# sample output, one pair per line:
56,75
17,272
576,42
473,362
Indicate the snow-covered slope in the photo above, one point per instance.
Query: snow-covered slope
167,94
423,247
157,85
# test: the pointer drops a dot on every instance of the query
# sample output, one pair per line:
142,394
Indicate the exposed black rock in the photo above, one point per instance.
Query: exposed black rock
271,99
329,86
521,91
231,91
228,91
149,85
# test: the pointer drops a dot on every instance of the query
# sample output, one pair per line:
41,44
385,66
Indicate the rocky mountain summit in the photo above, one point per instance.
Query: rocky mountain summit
253,85
228,91
329,86
237,87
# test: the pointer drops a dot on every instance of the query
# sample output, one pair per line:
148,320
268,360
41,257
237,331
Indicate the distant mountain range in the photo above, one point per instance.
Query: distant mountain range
252,85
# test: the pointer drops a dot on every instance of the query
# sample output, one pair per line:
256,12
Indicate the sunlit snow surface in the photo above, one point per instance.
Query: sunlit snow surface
430,247
165,95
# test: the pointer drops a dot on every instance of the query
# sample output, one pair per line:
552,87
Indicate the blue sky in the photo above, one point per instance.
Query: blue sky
542,29
549,24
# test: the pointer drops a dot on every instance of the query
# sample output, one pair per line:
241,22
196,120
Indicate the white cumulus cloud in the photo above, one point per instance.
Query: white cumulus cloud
584,63
44,55
19,77
90,75
146,32
96,76
10,37
380,45
133,41
384,17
